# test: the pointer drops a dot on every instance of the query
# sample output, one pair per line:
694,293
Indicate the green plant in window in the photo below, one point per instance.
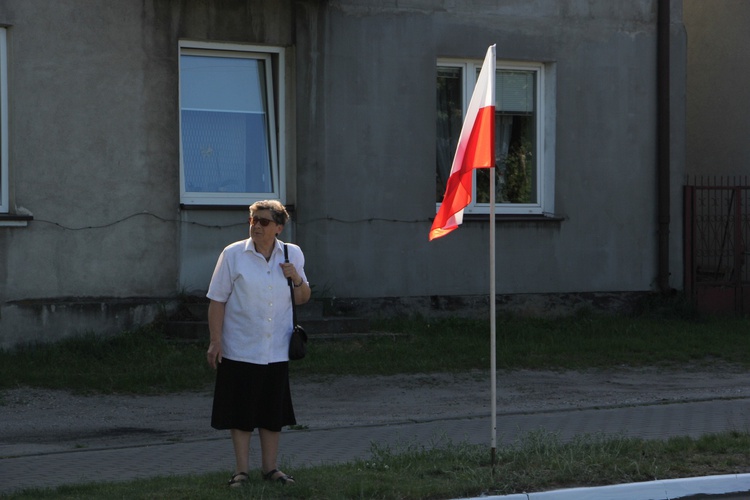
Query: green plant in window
517,174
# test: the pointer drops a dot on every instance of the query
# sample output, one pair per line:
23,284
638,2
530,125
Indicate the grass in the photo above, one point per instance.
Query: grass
137,362
578,343
539,461
144,362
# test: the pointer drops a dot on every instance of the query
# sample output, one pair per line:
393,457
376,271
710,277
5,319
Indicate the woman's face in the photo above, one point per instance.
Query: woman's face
262,227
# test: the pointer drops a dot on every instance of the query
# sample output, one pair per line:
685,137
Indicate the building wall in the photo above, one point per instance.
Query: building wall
94,152
375,106
95,158
718,83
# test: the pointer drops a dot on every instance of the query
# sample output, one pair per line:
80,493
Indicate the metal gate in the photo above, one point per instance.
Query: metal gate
717,233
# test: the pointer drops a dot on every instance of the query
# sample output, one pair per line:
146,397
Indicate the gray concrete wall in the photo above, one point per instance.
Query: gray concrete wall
94,152
718,83
95,159
88,127
373,127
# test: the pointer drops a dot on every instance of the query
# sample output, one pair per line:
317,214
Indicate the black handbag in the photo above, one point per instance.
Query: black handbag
298,342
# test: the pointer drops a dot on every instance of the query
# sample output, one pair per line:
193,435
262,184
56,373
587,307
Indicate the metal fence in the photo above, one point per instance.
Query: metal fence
717,232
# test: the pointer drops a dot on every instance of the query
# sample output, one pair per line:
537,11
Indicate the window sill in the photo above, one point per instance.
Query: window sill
503,218
227,208
11,220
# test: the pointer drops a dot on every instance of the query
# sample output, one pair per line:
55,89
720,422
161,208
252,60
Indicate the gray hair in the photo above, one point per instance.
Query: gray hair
278,211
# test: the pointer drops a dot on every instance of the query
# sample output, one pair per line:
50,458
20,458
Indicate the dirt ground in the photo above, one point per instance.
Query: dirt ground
43,421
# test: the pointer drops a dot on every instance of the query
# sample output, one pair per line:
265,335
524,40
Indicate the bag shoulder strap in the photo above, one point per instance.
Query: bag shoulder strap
291,287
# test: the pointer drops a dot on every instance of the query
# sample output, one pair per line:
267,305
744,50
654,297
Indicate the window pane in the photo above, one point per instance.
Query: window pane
515,141
449,122
225,127
514,91
225,152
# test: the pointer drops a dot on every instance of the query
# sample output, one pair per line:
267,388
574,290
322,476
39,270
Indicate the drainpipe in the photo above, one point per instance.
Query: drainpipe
663,140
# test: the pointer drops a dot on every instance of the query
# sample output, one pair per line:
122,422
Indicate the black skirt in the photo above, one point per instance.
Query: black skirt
249,396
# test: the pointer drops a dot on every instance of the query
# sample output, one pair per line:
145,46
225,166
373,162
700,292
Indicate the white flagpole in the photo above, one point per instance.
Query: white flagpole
493,350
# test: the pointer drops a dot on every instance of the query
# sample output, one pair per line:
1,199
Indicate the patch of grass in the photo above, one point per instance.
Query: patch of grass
539,461
140,361
606,341
578,343
446,345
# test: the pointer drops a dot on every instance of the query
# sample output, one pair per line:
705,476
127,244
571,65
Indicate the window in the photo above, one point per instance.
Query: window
4,192
521,170
230,152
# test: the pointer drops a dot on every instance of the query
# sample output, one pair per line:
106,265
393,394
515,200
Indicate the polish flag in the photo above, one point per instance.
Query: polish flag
476,149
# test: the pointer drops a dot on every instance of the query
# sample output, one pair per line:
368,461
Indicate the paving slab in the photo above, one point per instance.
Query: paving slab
342,444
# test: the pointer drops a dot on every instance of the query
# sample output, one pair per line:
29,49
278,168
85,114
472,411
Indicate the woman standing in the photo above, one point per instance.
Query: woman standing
250,323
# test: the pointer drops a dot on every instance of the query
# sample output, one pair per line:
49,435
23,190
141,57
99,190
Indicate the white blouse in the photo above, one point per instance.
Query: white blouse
258,312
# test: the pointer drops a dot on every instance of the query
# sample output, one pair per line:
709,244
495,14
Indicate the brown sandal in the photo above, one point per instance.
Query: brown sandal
282,478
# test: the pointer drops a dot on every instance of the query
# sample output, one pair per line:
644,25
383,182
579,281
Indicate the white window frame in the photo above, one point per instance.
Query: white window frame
276,98
4,177
545,130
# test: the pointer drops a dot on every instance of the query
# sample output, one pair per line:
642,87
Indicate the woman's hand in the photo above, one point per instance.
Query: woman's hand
214,354
215,328
302,291
291,272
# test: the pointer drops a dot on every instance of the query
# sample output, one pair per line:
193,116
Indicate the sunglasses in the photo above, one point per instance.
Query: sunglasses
262,222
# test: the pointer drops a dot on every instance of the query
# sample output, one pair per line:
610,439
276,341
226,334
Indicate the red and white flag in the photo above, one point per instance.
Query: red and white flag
476,149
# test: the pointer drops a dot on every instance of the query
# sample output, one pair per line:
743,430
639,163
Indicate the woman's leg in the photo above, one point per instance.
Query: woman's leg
269,450
241,443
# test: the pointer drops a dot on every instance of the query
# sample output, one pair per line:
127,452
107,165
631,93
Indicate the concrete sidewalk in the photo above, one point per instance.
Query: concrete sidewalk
337,445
